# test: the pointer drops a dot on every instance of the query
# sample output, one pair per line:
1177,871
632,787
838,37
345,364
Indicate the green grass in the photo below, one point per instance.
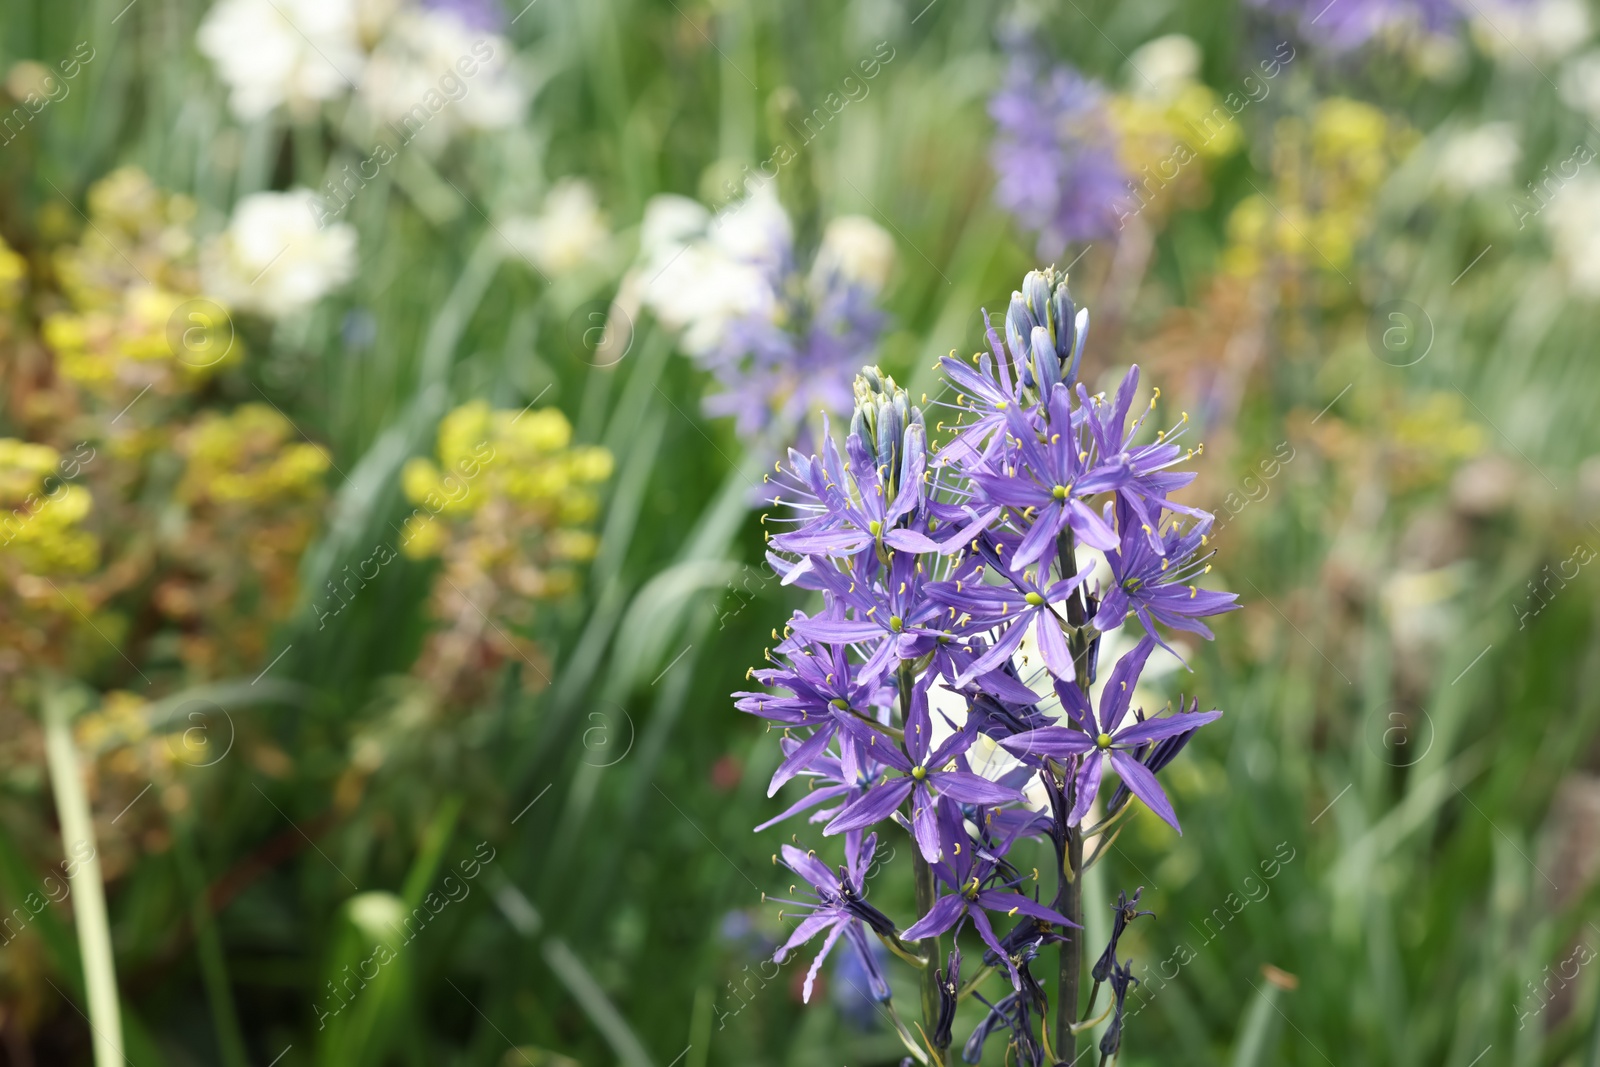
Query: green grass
1418,902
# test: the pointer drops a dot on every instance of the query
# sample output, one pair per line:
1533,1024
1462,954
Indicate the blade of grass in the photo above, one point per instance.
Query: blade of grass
61,703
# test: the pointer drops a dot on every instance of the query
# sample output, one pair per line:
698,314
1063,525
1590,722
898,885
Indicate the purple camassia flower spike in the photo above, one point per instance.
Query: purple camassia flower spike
783,367
840,908
1158,586
1102,738
925,777
970,870
1054,154
940,571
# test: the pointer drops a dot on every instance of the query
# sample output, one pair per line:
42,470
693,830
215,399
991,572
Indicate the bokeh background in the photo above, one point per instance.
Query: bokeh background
381,461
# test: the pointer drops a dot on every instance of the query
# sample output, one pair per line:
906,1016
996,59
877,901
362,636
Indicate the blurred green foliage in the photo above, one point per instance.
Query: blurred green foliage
1408,746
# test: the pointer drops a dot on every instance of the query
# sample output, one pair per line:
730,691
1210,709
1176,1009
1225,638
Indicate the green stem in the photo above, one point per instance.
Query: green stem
931,948
1069,885
213,960
88,886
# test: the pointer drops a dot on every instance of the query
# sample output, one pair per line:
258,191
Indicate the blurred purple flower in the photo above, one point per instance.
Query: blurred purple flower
1350,23
475,14
1055,154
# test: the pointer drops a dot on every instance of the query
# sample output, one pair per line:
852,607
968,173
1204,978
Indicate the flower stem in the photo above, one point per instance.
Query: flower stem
1069,902
88,887
927,893
1069,885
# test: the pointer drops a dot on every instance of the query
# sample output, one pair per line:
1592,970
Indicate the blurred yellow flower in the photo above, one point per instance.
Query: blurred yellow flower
504,504
247,457
1326,176
130,281
41,525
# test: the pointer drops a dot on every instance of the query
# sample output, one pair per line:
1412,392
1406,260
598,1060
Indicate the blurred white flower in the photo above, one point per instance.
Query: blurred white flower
700,271
670,220
432,75
272,52
755,229
1573,219
856,248
273,260
569,230
1580,84
1515,30
1478,158
1162,68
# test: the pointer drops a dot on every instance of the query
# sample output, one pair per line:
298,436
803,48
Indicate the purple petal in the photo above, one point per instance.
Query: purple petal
800,759
1156,729
1007,903
809,927
998,654
1143,785
816,964
1055,741
1003,686
1090,528
925,825
807,866
1041,538
971,788
1119,688
805,803
874,806
1053,645
837,631
1088,786
941,917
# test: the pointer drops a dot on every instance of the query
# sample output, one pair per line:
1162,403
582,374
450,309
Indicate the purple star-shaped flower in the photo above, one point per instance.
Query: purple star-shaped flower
840,909
1099,739
969,870
926,775
1047,479
823,687
1022,601
1159,586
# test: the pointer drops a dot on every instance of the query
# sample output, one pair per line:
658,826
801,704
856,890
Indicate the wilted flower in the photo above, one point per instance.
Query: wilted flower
840,908
274,259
